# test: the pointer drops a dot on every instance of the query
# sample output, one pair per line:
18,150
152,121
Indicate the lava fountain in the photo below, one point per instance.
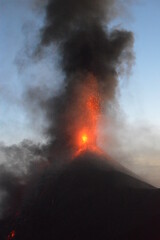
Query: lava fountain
88,107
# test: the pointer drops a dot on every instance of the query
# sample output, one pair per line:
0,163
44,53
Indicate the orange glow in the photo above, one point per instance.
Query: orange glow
11,235
84,139
85,112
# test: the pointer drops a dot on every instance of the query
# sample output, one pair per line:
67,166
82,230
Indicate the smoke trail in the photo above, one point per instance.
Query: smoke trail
87,49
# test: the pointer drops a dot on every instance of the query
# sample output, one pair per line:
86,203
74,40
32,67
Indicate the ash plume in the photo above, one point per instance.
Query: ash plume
87,48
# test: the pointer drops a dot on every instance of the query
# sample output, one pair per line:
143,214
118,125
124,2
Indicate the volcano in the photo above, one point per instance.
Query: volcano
80,193
89,198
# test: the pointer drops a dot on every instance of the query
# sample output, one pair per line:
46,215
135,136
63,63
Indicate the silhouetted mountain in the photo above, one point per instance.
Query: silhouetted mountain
89,198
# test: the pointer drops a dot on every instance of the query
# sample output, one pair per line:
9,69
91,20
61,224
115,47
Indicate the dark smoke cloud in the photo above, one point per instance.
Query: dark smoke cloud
86,46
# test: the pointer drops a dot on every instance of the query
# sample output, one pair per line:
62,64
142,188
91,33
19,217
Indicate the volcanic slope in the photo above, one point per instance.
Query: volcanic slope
89,198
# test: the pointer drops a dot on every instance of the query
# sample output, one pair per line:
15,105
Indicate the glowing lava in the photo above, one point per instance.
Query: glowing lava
88,110
11,235
84,139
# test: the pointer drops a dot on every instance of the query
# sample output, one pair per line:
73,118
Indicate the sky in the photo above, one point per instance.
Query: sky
139,91
141,97
19,27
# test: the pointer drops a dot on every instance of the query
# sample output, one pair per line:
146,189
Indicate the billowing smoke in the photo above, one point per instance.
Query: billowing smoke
88,49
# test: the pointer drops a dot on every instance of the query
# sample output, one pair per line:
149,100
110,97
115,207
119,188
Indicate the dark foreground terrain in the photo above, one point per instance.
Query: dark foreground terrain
87,199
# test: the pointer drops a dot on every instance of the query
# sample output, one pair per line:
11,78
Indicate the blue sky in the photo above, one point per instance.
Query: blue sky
140,98
12,117
139,93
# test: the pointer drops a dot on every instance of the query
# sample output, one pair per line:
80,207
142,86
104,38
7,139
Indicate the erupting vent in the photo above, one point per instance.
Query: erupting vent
84,139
